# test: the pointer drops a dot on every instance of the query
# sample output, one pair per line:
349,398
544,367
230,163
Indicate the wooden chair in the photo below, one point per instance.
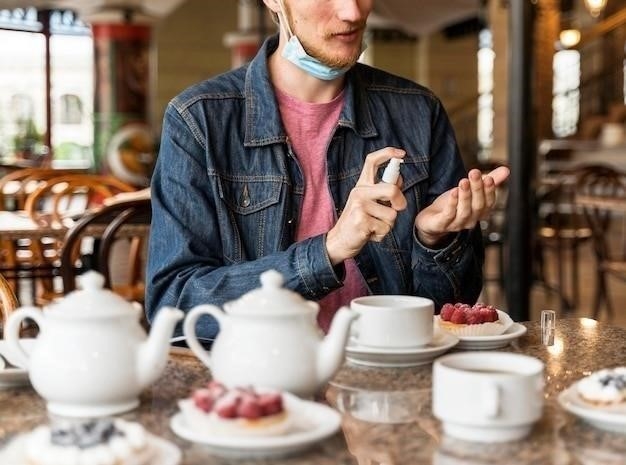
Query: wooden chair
128,221
15,186
562,229
601,193
8,301
61,197
18,258
55,203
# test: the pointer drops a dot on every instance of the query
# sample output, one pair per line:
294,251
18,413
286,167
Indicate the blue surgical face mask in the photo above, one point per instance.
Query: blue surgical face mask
295,53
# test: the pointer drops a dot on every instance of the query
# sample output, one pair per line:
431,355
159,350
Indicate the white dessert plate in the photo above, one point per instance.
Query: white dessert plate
12,377
402,357
515,331
609,418
166,453
312,423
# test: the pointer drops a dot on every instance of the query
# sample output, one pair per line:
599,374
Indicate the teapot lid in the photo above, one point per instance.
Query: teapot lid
271,299
92,300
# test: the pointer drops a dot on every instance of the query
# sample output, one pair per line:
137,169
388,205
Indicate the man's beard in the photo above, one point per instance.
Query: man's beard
327,57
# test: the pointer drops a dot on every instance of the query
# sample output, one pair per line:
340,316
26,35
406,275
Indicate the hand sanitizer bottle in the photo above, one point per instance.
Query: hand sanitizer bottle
392,171
390,175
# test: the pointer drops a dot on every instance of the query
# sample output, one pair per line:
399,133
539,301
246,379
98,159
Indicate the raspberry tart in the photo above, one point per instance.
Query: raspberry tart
604,388
235,412
102,441
477,320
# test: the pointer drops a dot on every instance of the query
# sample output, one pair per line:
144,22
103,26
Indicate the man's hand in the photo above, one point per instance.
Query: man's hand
364,218
461,207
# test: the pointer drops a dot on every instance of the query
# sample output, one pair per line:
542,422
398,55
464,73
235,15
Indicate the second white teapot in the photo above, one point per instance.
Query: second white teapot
269,338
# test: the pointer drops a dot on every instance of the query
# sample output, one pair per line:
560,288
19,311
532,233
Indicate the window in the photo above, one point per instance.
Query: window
486,58
71,109
566,88
23,84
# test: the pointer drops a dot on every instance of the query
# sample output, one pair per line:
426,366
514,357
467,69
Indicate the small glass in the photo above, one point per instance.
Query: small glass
548,327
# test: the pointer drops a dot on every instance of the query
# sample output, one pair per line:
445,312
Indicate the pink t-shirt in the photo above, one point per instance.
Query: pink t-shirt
310,127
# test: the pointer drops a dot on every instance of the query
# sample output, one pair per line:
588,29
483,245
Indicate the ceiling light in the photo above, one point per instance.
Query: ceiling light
569,37
595,7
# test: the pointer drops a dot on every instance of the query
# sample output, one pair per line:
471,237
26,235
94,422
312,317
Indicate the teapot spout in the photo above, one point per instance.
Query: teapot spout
331,352
152,354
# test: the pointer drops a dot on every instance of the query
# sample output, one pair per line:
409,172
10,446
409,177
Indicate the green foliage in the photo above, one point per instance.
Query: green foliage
28,139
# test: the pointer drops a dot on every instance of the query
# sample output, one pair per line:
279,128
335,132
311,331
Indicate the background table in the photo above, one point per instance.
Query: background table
581,346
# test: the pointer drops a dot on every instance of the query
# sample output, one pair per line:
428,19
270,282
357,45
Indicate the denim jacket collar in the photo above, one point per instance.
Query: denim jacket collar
263,122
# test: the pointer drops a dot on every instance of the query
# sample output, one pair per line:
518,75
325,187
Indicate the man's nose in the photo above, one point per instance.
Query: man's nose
353,10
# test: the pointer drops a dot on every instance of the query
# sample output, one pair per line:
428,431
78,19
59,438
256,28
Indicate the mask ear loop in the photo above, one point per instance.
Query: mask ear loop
282,20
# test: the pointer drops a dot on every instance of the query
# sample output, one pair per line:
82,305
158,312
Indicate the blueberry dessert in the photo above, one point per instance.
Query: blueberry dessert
604,387
89,442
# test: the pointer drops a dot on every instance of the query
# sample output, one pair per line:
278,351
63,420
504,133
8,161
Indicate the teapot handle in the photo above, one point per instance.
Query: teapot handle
12,332
189,329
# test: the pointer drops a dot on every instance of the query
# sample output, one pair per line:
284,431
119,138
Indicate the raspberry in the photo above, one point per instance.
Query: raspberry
226,406
458,317
271,403
203,400
493,315
446,312
474,317
249,408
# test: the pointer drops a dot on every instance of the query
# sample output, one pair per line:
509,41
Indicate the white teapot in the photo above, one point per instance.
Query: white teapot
269,338
92,357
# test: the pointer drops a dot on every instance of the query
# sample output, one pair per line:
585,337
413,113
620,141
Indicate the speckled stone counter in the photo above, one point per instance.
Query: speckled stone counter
386,412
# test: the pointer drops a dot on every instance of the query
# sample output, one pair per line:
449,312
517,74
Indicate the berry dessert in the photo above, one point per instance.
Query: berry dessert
97,442
605,387
238,411
477,320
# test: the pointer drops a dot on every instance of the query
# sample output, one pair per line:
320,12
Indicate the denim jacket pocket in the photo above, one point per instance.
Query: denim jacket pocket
254,209
245,195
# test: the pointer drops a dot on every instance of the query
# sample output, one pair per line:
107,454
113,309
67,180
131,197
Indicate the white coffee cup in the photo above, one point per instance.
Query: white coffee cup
487,396
393,321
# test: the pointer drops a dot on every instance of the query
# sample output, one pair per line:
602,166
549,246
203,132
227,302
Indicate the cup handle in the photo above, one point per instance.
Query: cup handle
189,329
12,332
490,399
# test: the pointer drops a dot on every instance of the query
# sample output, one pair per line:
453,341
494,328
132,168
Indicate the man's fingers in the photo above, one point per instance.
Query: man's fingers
478,191
373,162
499,175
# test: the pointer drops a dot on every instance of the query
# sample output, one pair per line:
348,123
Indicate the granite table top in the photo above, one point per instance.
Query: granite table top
414,437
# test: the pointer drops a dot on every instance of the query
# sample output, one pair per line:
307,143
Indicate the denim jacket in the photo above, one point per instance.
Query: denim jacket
227,190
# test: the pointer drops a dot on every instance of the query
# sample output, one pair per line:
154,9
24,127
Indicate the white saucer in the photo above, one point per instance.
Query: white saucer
12,377
404,357
515,331
609,418
166,453
313,422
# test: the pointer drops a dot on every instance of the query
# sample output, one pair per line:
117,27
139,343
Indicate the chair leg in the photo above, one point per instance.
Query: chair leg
601,295
565,306
575,290
607,299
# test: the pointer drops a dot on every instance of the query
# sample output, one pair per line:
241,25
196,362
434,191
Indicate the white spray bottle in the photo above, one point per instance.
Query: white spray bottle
390,176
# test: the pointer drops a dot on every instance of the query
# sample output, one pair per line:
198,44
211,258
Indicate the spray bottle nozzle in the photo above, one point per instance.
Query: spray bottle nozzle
392,171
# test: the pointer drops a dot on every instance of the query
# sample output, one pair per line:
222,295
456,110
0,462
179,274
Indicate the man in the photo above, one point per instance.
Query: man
276,165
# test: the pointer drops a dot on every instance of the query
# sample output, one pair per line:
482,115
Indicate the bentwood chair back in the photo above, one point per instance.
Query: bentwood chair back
561,230
15,186
127,221
601,191
8,300
64,196
55,203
